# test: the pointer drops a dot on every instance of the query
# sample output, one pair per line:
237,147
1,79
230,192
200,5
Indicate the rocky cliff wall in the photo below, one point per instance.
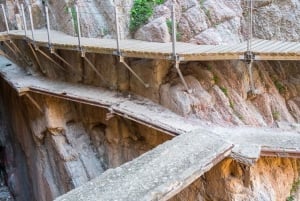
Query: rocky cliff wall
270,179
51,153
66,146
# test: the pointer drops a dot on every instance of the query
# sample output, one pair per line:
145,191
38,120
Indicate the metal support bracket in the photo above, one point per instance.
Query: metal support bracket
110,114
60,58
49,58
249,57
37,106
122,60
35,56
82,52
176,65
95,69
11,49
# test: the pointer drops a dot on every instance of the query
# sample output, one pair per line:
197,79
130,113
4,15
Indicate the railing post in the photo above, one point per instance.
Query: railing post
24,19
117,30
48,27
249,55
250,25
78,27
175,57
5,18
174,40
31,23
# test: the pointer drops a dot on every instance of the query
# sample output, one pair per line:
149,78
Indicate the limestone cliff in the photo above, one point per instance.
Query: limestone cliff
49,154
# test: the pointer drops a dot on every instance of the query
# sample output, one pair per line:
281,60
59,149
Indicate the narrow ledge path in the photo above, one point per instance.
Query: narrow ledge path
280,50
167,169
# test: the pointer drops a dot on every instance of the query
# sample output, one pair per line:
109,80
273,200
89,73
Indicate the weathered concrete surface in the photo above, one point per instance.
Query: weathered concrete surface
135,108
138,175
250,143
158,174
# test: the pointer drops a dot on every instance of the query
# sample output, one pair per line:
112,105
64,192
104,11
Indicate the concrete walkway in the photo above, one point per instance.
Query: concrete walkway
170,167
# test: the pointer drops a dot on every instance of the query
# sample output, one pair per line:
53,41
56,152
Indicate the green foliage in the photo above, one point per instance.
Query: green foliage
201,2
207,13
209,67
73,13
141,11
169,25
293,190
224,91
276,115
231,104
216,79
280,87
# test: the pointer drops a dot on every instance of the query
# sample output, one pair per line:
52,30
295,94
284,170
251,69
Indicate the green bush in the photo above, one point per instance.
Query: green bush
280,87
224,90
293,190
141,11
73,13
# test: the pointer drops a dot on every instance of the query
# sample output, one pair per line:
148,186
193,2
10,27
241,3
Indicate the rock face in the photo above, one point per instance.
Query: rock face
49,154
219,93
96,17
225,22
66,146
270,180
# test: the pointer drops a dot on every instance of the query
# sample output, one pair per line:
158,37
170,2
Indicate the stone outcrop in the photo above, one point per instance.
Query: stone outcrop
219,93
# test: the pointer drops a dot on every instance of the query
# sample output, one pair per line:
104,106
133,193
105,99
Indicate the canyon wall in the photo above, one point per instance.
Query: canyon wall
69,143
270,179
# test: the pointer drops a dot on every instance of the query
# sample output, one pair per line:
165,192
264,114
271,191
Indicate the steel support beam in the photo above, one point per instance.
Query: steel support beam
95,69
34,103
134,73
61,58
50,59
36,57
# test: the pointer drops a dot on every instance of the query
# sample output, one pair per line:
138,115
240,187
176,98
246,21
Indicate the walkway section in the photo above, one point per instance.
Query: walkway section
249,142
170,167
263,49
137,109
157,175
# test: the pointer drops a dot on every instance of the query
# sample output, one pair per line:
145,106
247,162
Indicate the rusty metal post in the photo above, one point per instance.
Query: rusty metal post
48,27
5,18
78,27
31,23
24,20
117,30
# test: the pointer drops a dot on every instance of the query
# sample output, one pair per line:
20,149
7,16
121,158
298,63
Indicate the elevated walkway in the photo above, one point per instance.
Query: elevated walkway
263,49
169,168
